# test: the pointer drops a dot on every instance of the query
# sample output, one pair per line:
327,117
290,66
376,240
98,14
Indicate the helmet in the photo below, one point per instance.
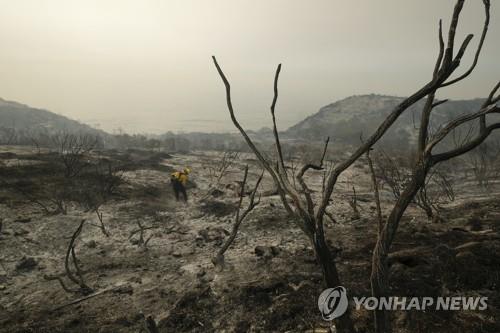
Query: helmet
187,171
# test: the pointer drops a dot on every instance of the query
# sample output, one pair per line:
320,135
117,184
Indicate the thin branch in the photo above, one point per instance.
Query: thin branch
300,178
479,48
441,134
281,163
102,226
141,241
375,192
61,282
218,260
77,267
439,103
330,216
451,33
491,97
489,101
319,166
79,300
71,251
488,107
242,192
424,122
441,49
466,147
265,164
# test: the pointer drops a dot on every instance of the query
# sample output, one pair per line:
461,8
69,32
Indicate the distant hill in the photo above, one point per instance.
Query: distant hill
20,116
22,124
346,119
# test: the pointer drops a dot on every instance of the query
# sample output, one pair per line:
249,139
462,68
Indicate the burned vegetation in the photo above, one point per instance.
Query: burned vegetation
93,239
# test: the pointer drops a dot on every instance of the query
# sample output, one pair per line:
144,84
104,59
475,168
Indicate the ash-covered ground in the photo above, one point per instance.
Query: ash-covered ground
270,282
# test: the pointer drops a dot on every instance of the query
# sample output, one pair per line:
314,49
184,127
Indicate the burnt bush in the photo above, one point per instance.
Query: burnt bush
136,159
47,184
217,208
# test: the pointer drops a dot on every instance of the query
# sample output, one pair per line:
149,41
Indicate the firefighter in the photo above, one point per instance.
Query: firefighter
179,180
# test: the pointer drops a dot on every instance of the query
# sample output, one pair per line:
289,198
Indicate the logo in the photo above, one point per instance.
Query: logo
333,302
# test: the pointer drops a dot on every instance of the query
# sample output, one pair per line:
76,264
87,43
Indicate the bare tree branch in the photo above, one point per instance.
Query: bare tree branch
218,260
265,164
281,163
78,280
479,48
375,191
441,134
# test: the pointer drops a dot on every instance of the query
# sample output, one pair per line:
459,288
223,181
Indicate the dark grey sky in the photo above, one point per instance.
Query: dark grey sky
144,65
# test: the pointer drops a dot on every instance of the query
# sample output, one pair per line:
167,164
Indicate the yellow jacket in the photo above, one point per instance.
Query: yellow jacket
180,176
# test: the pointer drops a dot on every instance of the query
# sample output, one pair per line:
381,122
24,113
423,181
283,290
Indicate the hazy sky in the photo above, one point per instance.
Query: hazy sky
145,66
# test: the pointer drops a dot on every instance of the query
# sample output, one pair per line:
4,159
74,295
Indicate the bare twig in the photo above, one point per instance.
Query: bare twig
87,297
142,242
218,260
78,280
375,191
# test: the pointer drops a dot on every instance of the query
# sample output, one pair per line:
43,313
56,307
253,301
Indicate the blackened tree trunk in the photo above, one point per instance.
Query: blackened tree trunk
380,268
326,260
